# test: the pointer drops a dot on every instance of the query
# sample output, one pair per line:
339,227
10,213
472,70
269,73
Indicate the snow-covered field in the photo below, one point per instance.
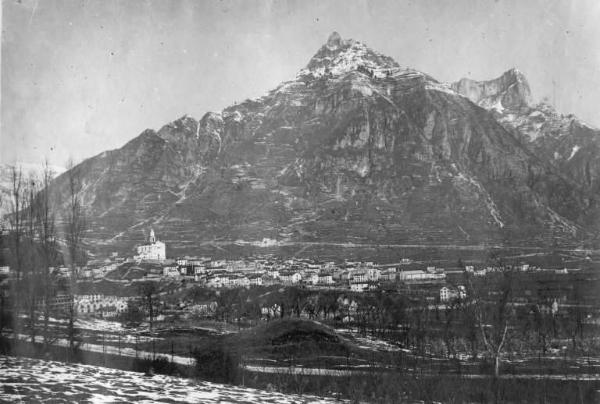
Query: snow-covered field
33,380
368,342
112,350
90,324
96,324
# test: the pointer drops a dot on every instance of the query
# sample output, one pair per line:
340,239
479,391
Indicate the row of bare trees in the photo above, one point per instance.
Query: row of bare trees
489,321
46,228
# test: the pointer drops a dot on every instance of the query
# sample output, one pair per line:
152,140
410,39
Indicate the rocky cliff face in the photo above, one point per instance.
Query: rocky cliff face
509,91
564,143
354,149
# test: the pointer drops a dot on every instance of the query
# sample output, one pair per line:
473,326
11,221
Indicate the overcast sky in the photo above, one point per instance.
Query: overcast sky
81,77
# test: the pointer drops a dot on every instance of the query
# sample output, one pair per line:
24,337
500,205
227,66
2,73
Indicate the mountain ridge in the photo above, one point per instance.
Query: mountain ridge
353,149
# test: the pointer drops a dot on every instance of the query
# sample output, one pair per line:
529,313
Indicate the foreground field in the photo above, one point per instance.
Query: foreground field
33,380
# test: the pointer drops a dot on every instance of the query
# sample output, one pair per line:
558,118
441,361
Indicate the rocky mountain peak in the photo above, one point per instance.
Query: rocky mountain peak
334,41
515,74
339,56
509,91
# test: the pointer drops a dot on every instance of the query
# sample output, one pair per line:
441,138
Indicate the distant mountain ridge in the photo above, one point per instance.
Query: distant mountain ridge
354,149
565,142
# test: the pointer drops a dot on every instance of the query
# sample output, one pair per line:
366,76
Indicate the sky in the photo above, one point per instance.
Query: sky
79,77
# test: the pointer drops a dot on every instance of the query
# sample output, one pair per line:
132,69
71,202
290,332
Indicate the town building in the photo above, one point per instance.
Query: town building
359,286
290,277
255,280
203,309
101,305
171,272
388,275
420,275
325,279
154,250
450,293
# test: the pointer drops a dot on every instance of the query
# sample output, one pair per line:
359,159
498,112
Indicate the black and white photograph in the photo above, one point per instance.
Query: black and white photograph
300,201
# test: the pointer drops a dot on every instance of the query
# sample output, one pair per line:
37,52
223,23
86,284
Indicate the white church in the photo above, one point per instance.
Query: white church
154,250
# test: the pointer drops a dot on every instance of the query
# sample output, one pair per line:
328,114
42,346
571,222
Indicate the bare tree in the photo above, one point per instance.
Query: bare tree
75,221
31,260
148,291
494,313
18,199
16,227
46,229
33,250
75,225
451,312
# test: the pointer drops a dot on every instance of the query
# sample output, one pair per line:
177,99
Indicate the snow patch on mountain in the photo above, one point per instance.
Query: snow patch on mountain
197,170
491,206
559,221
574,151
443,87
340,56
236,116
363,88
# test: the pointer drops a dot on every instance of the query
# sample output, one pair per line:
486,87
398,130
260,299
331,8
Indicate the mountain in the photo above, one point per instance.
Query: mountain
567,144
355,149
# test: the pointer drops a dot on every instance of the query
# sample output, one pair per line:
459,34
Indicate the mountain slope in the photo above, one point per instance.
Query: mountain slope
354,149
563,142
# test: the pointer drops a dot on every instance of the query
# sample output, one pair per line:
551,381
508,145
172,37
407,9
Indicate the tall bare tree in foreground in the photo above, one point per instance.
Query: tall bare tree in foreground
18,201
16,226
31,282
45,219
75,225
32,250
4,313
75,221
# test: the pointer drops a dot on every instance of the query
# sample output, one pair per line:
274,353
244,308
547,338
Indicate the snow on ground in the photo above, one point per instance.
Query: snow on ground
299,370
369,342
91,324
96,324
367,369
34,380
376,344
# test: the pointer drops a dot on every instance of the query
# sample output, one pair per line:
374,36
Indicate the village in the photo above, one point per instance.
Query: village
431,284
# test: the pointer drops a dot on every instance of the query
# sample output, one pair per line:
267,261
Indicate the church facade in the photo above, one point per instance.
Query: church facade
154,250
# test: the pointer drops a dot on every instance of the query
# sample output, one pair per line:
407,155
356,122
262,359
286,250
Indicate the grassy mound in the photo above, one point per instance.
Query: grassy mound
305,341
285,337
290,331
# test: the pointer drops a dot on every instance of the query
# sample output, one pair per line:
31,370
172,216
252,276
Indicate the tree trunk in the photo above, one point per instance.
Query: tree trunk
32,318
151,311
496,366
71,327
